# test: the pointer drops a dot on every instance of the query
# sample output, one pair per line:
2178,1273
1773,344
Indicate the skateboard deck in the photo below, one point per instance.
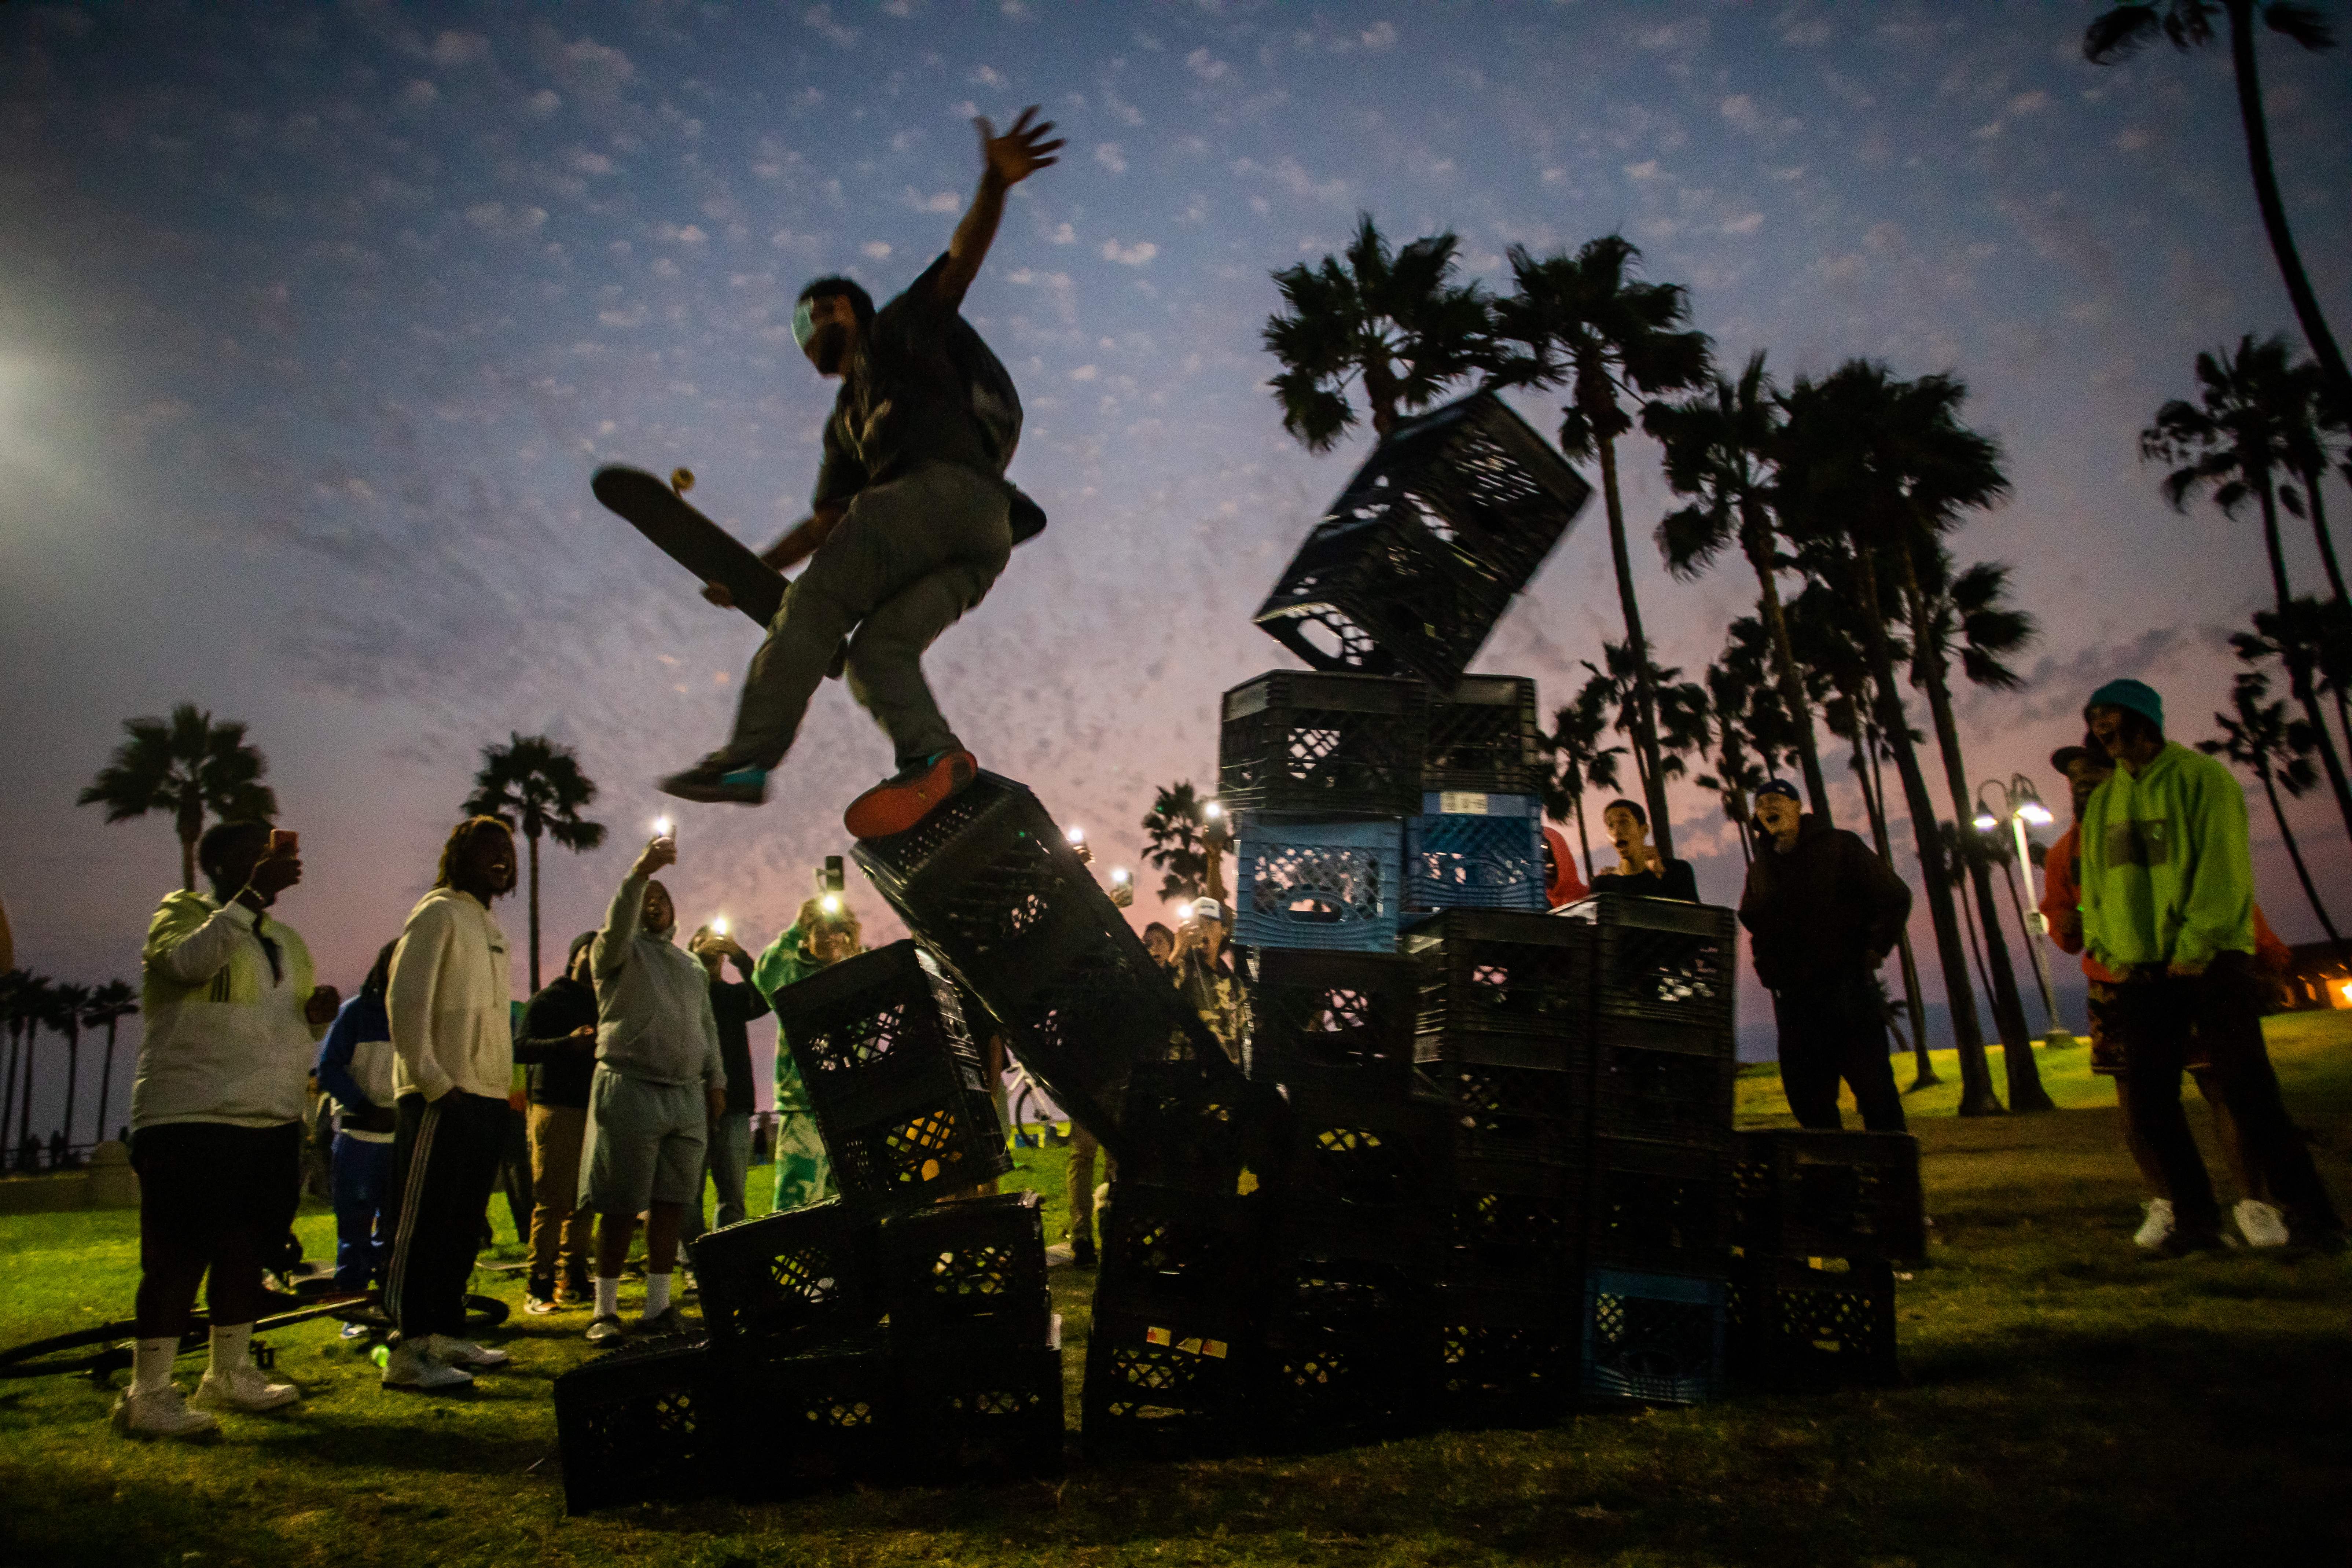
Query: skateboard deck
692,540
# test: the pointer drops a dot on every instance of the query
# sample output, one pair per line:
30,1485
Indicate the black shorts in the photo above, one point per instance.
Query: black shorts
201,1181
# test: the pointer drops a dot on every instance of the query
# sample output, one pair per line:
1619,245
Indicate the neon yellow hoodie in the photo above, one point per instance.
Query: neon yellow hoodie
2167,876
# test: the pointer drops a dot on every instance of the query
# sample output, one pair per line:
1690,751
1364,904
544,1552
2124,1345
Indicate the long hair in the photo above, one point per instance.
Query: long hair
459,836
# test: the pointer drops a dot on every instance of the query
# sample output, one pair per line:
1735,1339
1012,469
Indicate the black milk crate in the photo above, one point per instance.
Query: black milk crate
1664,1207
1469,849
989,883
1326,745
901,1095
1483,735
1311,1009
1656,1338
823,1418
1313,1387
640,1424
1667,1096
1326,1289
1164,1379
786,1280
1411,566
968,1271
1503,1356
1795,1326
1515,1221
1199,1125
1503,972
995,1415
1802,1194
1662,958
1318,882
1525,1114
1177,1245
1375,1154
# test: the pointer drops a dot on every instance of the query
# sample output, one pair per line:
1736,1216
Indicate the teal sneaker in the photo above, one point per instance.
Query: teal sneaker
710,781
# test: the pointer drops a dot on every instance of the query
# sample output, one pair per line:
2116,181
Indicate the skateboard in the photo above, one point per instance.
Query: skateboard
692,540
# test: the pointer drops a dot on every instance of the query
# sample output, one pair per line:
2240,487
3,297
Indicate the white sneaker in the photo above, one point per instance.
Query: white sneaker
2156,1228
450,1351
604,1330
2260,1224
246,1388
411,1365
162,1414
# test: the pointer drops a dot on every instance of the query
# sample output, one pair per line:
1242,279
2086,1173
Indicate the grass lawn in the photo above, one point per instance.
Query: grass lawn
2069,1401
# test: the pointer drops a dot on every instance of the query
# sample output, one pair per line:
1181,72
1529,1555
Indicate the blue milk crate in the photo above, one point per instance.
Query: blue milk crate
1472,850
1312,882
1653,1338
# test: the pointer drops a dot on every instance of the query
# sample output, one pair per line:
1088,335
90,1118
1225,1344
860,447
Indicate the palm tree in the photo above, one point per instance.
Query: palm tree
1681,709
533,784
1584,319
1963,852
1969,609
2313,427
188,765
32,1010
2235,440
2257,737
2116,35
1718,449
1750,732
1580,762
1850,461
20,992
67,1006
1396,324
1186,843
108,1005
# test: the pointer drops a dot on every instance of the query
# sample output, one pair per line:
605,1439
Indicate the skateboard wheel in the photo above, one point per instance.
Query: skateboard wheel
681,480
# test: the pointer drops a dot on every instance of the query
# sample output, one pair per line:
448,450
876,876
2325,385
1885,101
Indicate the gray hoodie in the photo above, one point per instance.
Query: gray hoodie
653,1000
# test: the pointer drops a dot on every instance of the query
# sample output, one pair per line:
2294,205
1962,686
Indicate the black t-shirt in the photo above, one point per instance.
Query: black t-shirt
1675,881
734,1004
923,387
559,1073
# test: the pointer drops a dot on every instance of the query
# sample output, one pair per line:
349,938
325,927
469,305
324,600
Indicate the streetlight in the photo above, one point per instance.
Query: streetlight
2019,803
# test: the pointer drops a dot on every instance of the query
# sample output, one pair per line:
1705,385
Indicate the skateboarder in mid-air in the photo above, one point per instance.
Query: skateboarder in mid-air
911,521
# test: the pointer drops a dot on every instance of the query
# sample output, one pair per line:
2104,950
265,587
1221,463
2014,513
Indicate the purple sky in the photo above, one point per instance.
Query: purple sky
317,320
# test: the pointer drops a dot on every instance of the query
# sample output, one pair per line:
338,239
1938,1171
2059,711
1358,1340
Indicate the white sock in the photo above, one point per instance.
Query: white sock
151,1366
608,1298
230,1347
657,1295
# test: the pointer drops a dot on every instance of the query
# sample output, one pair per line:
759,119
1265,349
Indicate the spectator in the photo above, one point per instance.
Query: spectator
1640,870
1562,886
2167,905
818,938
734,1004
454,1056
659,1084
1822,911
559,1041
233,1018
356,1069
1160,944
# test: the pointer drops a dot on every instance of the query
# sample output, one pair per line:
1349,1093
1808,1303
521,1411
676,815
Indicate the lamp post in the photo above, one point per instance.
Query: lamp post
2020,803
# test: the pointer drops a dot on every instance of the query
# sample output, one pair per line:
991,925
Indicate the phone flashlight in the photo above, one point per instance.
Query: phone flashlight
1076,835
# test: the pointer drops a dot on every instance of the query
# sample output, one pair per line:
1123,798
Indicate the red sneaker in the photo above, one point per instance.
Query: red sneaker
899,803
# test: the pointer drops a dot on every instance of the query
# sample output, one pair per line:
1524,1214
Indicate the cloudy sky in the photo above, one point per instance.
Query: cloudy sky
318,319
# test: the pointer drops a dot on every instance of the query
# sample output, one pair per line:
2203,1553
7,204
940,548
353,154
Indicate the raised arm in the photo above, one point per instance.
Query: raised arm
1005,161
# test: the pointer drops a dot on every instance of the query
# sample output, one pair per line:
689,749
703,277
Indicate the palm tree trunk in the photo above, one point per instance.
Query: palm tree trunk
106,1081
2266,195
534,914
1583,840
2312,480
1977,1096
1792,688
25,1110
1645,720
73,1074
8,1096
1976,951
1866,774
2297,658
2294,853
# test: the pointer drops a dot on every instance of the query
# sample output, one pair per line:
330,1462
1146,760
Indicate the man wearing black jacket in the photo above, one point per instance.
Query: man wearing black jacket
559,1041
734,1004
1821,911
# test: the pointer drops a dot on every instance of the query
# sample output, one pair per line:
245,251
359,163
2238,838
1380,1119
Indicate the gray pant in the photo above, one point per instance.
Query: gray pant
908,559
728,1159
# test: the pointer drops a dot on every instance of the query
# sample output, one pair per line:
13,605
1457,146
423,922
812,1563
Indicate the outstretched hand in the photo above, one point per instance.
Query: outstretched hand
1021,151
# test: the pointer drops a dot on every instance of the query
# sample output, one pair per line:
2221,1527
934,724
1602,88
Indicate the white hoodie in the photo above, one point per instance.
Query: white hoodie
448,1000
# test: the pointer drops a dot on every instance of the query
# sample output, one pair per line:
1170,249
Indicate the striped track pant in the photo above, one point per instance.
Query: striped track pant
444,1163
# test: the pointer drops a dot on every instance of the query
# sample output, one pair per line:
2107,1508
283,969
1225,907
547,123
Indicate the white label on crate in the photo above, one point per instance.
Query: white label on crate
1462,802
1053,1333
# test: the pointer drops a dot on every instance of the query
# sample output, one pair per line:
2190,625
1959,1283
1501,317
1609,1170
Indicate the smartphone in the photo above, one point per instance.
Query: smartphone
284,841
828,876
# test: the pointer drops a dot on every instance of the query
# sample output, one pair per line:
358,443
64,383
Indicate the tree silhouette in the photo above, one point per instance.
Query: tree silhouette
188,765
23,999
108,1005
1579,761
2257,737
1587,322
2235,441
2312,428
1395,324
67,1006
2117,34
1185,843
536,785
